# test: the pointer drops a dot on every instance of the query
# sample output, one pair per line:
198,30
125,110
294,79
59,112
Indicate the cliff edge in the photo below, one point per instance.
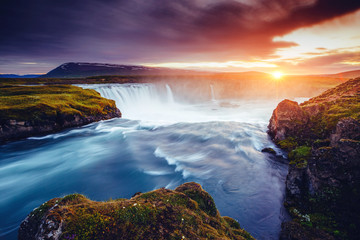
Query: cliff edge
34,110
322,137
188,212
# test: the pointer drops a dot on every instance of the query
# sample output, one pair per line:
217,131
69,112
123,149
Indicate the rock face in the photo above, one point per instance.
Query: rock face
322,137
346,128
285,118
13,129
188,212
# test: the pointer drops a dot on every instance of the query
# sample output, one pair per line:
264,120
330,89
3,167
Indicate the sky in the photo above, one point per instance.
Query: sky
292,36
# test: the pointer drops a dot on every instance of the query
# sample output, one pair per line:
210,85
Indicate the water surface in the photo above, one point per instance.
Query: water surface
163,140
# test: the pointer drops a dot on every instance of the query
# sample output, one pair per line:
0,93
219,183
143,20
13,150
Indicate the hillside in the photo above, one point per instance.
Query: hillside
348,74
322,137
188,212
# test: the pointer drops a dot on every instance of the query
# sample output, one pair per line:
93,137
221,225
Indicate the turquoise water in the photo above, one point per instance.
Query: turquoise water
163,140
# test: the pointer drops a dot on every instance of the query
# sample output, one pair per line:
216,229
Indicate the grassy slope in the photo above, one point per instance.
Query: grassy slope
38,102
186,213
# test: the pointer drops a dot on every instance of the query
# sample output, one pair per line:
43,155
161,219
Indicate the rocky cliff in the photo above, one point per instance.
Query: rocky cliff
35,110
322,137
188,212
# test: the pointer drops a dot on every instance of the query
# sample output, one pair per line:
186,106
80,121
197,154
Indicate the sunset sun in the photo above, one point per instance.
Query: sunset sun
277,75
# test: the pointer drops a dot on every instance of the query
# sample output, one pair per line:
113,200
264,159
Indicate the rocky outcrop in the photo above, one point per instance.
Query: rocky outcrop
188,212
285,119
13,129
36,110
322,137
346,128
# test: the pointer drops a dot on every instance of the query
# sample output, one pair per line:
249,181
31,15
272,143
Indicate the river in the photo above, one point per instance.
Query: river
164,139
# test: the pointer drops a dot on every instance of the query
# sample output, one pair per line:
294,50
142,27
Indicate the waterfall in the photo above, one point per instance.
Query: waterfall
159,104
212,93
140,101
169,94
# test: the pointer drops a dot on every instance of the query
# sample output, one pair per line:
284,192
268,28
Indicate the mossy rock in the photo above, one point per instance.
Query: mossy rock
188,212
196,193
288,144
269,150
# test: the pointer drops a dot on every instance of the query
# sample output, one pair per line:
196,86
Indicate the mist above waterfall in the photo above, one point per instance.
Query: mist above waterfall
162,103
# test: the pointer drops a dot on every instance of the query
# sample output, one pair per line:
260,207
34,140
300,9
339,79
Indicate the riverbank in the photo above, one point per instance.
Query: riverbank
36,110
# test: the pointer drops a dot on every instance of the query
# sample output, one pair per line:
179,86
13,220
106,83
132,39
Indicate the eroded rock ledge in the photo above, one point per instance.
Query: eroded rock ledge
13,129
188,212
322,137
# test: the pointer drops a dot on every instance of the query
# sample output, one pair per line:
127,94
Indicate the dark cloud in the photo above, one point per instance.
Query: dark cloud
135,31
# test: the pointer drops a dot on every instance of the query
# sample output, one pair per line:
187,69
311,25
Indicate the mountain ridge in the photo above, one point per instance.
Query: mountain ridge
85,69
19,76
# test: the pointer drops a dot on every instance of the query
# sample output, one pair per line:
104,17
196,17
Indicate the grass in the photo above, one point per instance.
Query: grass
39,103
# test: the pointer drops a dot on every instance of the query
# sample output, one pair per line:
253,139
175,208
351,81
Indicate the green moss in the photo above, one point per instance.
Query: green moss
36,103
288,143
74,198
300,152
299,156
196,193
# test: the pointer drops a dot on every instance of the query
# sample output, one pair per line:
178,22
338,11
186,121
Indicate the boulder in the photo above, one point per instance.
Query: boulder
285,119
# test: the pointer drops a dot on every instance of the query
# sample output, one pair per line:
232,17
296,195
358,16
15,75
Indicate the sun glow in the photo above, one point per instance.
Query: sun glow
219,65
277,75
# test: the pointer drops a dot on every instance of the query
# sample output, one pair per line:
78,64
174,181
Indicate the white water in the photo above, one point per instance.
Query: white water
156,104
162,140
212,93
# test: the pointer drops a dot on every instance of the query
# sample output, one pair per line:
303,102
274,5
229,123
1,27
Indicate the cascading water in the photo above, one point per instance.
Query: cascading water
161,141
212,93
170,94
155,103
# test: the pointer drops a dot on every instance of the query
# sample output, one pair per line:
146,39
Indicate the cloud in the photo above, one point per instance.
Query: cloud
155,30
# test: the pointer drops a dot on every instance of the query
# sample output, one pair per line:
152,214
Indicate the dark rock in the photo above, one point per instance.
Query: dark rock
269,150
13,129
295,231
136,194
347,128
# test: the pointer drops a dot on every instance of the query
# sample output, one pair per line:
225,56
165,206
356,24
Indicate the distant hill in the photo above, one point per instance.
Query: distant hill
80,69
349,74
18,76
